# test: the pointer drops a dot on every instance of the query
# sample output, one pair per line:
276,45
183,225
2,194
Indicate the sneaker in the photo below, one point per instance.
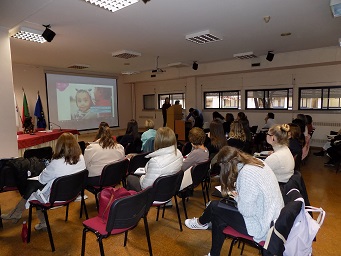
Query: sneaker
321,153
194,224
40,226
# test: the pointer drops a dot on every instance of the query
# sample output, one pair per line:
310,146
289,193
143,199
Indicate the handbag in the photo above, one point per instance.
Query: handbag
107,197
304,230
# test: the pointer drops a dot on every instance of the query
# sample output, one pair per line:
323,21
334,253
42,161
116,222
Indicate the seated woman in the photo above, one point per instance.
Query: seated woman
237,137
165,160
99,131
216,138
256,191
281,160
199,152
149,133
295,144
103,151
228,121
67,159
131,138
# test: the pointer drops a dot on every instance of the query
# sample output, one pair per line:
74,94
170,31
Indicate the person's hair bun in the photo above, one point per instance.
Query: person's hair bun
285,127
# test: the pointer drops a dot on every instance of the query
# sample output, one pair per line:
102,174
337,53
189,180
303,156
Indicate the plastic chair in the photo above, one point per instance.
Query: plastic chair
64,190
164,188
41,153
137,161
124,215
112,175
200,175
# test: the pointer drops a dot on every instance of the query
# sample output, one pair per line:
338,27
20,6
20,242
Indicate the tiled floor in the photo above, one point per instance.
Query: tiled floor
323,187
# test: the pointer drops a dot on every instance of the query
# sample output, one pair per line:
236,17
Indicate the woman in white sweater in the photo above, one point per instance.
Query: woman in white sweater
256,191
101,152
281,160
165,160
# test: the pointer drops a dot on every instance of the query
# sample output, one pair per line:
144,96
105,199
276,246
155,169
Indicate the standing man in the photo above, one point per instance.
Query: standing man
165,106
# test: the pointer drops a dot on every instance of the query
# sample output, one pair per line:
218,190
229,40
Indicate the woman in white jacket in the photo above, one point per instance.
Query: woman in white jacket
165,160
67,159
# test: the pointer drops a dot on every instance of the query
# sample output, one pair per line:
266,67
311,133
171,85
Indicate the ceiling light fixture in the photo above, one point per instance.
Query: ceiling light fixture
125,54
112,5
203,37
335,6
28,34
244,55
48,34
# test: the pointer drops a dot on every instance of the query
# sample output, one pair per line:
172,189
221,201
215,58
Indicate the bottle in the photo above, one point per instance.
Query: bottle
24,232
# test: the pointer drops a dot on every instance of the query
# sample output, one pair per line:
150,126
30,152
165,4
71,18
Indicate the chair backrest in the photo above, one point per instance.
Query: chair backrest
127,211
200,172
113,173
41,153
186,149
67,188
137,161
165,187
133,147
82,146
253,129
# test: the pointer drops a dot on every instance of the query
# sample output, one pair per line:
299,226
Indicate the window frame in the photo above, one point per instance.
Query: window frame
266,93
220,96
171,99
327,94
144,102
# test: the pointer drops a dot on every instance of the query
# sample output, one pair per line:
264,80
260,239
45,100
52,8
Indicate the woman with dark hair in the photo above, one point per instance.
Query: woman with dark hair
132,137
245,122
216,139
295,143
256,191
217,116
281,161
228,121
237,135
103,151
165,160
67,159
199,152
99,131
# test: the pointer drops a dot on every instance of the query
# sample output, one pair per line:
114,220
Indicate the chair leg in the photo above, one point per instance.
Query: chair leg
231,246
147,234
178,212
184,205
158,211
125,238
203,190
100,243
1,225
67,212
97,203
163,210
29,224
48,229
83,241
83,205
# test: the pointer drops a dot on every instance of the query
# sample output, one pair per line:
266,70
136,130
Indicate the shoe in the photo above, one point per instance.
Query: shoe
78,199
169,204
40,226
321,153
329,163
194,224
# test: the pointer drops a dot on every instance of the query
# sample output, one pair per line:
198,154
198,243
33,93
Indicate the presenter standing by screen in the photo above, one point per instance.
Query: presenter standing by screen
165,106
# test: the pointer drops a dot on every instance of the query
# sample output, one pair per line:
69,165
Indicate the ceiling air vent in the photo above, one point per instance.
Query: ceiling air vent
79,66
203,37
244,55
125,54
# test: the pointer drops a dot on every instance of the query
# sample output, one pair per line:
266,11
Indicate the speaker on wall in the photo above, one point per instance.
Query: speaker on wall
195,65
48,34
270,56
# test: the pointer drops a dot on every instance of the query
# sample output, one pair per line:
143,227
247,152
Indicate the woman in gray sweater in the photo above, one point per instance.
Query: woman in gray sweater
256,191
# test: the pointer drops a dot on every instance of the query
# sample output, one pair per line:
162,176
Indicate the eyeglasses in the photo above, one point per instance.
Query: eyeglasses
269,134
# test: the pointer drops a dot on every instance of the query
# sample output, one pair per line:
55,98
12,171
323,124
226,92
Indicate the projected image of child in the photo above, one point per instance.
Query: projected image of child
84,104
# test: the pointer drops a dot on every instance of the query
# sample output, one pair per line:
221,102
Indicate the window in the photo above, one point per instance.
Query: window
222,100
320,98
149,101
269,99
172,99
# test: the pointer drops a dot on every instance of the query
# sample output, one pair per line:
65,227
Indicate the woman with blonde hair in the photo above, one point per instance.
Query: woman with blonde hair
67,159
256,192
101,152
149,133
280,160
165,160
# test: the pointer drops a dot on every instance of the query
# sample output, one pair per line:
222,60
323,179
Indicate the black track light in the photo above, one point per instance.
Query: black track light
48,34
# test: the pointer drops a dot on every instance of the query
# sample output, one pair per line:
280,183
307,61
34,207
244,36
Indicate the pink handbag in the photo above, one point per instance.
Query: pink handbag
106,198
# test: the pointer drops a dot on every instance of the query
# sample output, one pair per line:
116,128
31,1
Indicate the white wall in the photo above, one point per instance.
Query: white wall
8,135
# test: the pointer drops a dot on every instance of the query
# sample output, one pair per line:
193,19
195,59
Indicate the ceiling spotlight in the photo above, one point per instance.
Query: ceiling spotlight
270,56
195,65
266,19
27,34
48,34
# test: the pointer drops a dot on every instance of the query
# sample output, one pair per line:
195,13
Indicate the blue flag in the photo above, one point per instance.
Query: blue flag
39,113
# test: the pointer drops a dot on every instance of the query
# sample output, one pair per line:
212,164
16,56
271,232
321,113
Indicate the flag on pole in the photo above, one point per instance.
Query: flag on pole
17,114
39,113
25,111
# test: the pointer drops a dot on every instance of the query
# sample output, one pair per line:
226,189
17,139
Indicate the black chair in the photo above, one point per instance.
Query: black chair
164,188
186,149
112,174
124,215
64,190
41,153
82,145
137,161
200,175
133,147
